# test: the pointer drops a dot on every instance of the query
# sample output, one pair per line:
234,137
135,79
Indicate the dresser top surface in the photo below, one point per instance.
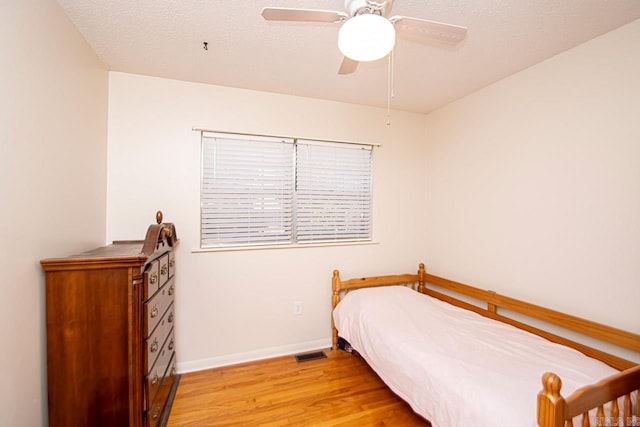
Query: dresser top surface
127,248
160,238
120,252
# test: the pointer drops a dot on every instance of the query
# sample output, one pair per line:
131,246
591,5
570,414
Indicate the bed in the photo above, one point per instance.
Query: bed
459,363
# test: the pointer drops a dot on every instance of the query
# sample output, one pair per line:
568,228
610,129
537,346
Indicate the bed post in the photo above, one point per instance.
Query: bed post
335,299
550,402
421,273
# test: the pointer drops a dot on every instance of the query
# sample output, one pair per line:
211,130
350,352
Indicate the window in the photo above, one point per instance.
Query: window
333,192
258,191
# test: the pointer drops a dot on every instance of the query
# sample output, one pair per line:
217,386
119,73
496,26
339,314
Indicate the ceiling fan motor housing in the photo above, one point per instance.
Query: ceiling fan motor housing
357,7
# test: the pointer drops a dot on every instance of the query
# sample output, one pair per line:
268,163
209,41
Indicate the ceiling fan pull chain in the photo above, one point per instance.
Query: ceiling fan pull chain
393,75
390,93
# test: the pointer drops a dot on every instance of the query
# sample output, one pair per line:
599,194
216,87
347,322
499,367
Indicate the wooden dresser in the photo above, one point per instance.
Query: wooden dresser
110,333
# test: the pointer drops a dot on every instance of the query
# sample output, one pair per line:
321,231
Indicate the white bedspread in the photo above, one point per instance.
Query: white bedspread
453,366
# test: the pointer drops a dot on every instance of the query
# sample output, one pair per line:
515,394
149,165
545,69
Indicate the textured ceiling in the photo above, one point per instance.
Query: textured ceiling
165,38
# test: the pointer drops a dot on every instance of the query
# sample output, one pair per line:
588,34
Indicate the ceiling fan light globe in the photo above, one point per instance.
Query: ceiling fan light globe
366,37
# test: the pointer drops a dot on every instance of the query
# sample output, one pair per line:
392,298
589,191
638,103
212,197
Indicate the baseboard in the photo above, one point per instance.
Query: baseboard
250,356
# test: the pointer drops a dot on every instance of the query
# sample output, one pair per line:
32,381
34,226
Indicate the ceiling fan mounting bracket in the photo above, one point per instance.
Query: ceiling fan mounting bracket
359,7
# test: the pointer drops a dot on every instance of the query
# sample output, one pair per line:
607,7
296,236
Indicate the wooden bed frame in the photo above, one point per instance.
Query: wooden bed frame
554,410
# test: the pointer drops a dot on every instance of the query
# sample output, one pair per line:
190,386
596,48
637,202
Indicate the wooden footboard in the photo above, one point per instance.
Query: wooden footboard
614,401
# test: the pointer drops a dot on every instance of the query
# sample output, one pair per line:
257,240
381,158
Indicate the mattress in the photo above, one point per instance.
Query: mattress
453,366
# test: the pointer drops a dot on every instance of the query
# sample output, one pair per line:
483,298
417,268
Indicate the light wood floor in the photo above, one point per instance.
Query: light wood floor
340,390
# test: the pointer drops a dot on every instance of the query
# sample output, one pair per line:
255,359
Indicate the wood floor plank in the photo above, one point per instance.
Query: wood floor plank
340,390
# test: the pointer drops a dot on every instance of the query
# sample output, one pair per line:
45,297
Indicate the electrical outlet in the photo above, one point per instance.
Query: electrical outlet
297,308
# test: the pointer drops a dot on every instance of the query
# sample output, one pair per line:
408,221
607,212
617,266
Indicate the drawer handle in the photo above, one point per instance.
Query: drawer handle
171,345
164,270
170,318
154,311
153,279
172,263
154,381
171,290
156,412
154,345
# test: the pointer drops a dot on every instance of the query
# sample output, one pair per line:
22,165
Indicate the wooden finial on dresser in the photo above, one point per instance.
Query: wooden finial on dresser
158,235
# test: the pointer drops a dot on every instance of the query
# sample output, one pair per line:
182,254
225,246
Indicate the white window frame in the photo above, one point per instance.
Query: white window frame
337,209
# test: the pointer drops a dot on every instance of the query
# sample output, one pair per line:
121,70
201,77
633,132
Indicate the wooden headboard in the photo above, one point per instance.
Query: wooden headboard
340,288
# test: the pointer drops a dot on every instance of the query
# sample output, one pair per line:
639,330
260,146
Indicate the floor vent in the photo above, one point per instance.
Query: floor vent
310,356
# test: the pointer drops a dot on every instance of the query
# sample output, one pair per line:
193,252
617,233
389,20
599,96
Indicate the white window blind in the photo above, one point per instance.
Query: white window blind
333,192
246,191
259,191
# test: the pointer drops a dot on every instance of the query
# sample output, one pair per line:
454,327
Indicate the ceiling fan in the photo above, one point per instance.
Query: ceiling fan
367,32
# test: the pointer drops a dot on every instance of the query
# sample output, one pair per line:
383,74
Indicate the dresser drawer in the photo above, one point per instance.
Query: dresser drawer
172,263
154,344
156,374
155,308
157,405
164,269
171,288
151,279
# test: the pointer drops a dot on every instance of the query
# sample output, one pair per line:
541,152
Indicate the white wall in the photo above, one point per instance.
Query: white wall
53,123
234,306
533,183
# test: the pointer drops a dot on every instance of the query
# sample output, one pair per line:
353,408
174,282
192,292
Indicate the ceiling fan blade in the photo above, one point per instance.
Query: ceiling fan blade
424,31
348,66
305,15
